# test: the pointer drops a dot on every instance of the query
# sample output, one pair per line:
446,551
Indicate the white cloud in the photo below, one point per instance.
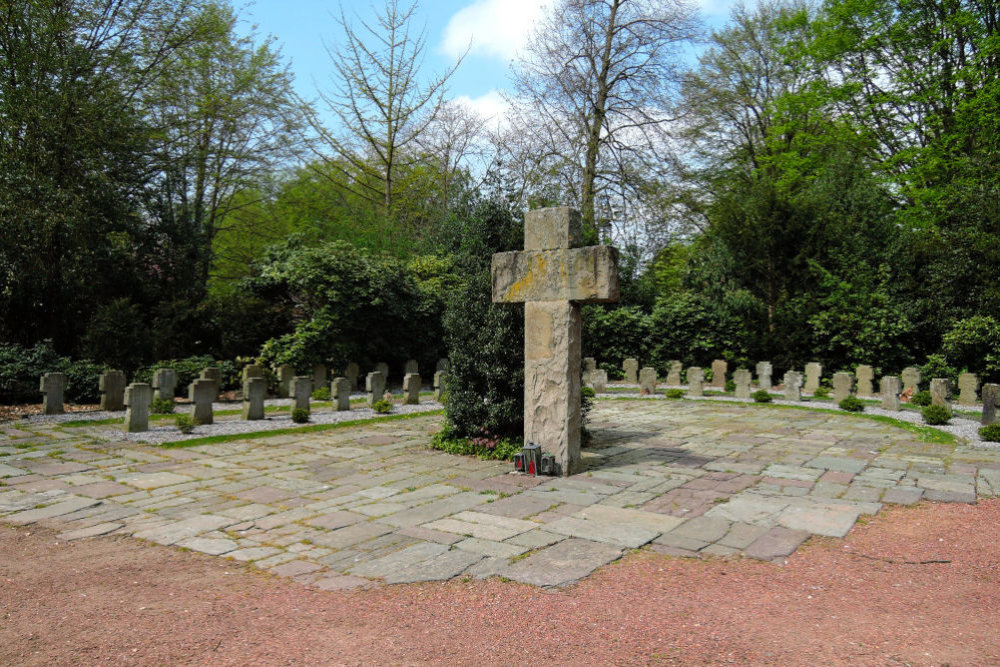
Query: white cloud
493,27
718,8
491,106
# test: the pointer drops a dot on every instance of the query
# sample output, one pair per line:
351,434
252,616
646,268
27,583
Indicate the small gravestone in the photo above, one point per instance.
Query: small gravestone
991,401
911,379
351,374
764,372
138,397
631,368
375,387
939,392
213,375
696,381
442,365
254,390
865,375
411,389
589,366
301,391
252,371
814,372
890,387
319,375
968,385
793,386
411,366
201,393
164,384
382,368
719,370
112,386
647,381
674,373
52,386
286,373
599,381
842,385
440,385
340,391
742,379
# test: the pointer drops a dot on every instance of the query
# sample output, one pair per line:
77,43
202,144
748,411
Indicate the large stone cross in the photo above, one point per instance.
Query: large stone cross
552,276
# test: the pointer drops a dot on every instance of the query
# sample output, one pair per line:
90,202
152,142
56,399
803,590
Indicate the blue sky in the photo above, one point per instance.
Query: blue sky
494,28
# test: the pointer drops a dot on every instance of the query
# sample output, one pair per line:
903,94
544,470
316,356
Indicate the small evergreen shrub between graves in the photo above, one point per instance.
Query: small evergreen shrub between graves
921,398
730,386
821,392
761,396
675,393
300,416
184,423
852,404
936,415
321,394
382,407
487,447
990,433
162,406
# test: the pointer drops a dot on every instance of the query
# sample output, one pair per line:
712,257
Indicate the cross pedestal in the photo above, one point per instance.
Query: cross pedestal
552,277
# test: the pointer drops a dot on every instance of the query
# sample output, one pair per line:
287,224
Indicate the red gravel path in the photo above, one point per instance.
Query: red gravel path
119,601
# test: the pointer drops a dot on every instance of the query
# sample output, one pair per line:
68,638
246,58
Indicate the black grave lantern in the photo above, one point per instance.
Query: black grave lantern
532,458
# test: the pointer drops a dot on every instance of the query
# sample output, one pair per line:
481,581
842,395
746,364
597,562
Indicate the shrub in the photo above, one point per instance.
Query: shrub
162,406
730,386
488,447
852,404
990,433
821,392
382,407
761,396
21,367
184,423
587,395
937,367
188,370
300,415
974,344
936,415
922,398
321,394
675,393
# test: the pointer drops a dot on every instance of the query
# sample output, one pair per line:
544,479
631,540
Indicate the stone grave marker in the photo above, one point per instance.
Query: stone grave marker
911,378
112,386
647,380
375,386
599,381
940,388
968,385
301,391
814,372
52,386
631,368
793,386
696,381
351,373
411,389
440,386
286,373
890,387
214,375
865,375
201,393
138,398
411,366
842,385
164,383
319,375
442,365
674,373
764,372
254,390
742,379
252,371
991,402
382,368
340,391
589,366
552,277
719,370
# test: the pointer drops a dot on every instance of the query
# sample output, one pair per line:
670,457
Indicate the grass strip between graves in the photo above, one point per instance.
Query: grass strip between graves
312,428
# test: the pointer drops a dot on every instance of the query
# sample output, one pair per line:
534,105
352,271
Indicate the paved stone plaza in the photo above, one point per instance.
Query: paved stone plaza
362,505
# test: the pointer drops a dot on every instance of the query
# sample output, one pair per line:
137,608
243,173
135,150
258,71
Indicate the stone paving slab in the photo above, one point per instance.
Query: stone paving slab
564,563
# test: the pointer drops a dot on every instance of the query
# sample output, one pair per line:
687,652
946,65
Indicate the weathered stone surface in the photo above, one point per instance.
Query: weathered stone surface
814,373
829,521
696,381
201,393
776,543
440,386
351,372
599,381
112,386
865,375
899,495
654,521
991,403
214,375
411,366
383,368
793,386
581,274
301,391
286,373
589,365
647,380
319,375
890,387
631,368
842,385
411,388
52,386
674,373
251,371
719,370
764,372
164,383
213,546
443,364
742,379
340,392
622,535
375,386
68,506
940,388
968,385
911,379
254,391
562,563
138,398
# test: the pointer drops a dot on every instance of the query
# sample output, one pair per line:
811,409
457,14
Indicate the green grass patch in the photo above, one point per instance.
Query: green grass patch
312,428
77,423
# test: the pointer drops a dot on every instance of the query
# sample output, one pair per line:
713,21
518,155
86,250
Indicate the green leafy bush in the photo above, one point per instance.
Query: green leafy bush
487,447
587,396
382,407
936,415
22,367
188,370
612,334
990,433
300,415
852,404
938,367
974,344
184,423
921,398
162,406
761,396
821,392
730,386
321,394
675,393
